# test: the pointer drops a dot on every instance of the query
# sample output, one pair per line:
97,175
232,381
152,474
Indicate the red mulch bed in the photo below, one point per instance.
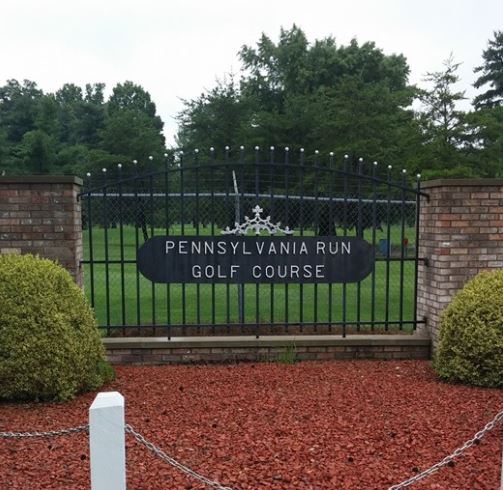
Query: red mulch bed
312,425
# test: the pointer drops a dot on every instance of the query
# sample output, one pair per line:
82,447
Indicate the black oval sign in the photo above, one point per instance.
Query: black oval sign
238,259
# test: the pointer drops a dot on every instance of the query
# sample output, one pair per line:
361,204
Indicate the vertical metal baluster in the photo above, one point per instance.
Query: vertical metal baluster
402,249
90,233
316,227
271,213
198,286
182,225
152,233
388,246
121,244
374,225
416,245
166,213
107,268
241,189
287,220
228,176
257,285
361,234
212,191
345,226
330,230
137,246
301,229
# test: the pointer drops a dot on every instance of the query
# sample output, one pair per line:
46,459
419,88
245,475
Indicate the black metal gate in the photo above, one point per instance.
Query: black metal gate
205,196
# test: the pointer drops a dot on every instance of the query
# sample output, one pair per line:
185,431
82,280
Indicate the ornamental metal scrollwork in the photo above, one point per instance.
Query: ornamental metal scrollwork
257,224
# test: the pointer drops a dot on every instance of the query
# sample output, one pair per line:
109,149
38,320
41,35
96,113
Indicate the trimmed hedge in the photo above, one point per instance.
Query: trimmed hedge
470,346
50,348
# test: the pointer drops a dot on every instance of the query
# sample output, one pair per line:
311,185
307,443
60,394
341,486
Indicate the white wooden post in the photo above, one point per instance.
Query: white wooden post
107,442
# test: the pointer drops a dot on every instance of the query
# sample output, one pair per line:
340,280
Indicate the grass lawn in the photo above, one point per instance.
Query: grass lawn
145,303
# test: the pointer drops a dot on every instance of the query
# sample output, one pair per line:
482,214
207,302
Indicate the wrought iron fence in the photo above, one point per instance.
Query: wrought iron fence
200,196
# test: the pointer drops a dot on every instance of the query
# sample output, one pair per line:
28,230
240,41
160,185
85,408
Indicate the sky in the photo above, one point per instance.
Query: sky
176,49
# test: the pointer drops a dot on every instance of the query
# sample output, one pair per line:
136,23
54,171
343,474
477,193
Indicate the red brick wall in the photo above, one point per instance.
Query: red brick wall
461,233
41,215
236,349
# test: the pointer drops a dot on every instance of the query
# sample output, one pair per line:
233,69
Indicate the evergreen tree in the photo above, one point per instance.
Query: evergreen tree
444,126
491,73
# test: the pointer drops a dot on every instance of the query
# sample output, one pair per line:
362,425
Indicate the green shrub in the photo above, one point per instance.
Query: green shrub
470,346
50,348
288,355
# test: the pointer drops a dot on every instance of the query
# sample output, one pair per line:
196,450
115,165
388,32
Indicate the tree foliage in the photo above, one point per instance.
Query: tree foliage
75,130
352,99
444,126
320,95
491,73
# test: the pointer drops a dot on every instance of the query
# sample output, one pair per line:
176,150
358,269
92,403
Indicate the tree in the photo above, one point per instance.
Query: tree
5,161
217,118
132,127
69,97
131,97
313,95
485,141
36,152
18,108
47,116
90,114
491,73
75,130
132,134
444,127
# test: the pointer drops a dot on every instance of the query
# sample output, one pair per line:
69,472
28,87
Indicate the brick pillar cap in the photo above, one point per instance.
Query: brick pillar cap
41,179
461,182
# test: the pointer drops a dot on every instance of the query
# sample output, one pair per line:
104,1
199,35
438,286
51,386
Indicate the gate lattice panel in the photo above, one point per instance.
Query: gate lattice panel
203,198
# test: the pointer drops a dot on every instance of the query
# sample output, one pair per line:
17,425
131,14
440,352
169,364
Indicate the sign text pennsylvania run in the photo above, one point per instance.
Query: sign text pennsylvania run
257,259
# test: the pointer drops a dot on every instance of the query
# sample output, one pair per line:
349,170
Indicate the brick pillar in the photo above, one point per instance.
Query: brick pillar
461,233
41,215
